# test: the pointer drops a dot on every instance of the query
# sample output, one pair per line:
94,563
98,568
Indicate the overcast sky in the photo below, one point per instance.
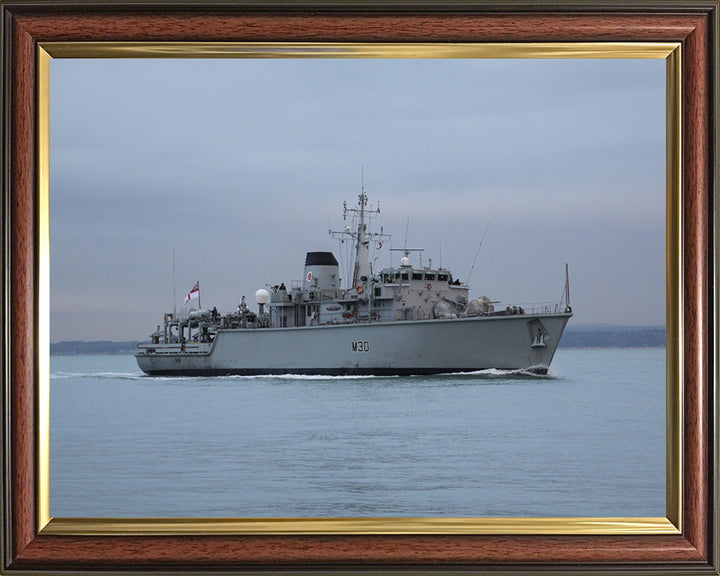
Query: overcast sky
242,165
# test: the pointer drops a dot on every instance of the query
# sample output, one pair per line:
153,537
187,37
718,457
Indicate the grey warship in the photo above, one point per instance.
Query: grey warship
404,320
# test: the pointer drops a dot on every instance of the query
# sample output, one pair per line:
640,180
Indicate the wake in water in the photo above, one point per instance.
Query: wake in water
487,374
109,375
145,377
497,373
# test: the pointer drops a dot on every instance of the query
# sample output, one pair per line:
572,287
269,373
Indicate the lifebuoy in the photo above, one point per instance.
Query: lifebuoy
359,289
429,286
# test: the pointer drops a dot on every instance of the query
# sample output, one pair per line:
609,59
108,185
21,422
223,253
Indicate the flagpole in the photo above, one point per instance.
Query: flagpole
198,285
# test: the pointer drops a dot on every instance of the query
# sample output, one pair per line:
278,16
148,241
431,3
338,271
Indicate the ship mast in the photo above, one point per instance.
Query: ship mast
361,270
362,252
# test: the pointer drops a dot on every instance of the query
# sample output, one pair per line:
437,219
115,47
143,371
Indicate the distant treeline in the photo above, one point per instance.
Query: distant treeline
614,337
574,337
97,347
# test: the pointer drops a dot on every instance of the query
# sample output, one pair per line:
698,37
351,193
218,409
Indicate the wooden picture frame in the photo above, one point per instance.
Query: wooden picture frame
684,542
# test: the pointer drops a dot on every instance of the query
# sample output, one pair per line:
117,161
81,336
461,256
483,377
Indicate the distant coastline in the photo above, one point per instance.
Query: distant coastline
609,336
71,347
582,336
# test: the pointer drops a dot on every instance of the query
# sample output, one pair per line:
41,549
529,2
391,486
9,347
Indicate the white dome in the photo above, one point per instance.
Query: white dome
405,262
262,296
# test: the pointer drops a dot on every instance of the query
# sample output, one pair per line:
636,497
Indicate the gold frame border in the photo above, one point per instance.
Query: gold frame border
354,526
357,50
351,526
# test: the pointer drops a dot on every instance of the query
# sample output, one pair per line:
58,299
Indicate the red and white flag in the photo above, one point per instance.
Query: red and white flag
194,293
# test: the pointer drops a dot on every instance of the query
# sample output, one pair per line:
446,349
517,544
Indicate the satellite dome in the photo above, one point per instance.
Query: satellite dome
262,296
405,262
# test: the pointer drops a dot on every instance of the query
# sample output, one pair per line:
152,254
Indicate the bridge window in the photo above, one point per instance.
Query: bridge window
417,276
429,276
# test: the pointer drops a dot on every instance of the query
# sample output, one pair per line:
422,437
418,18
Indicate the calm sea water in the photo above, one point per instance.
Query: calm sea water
587,440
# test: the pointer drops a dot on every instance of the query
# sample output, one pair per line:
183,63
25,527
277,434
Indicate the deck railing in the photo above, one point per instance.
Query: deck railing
544,307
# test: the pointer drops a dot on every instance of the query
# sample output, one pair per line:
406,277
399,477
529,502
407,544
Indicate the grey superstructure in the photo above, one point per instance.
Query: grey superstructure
402,320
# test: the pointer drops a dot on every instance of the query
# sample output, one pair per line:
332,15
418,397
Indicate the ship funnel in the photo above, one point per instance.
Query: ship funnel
321,271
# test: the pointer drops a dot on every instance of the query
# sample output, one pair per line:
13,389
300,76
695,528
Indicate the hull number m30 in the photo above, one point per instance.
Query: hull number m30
360,346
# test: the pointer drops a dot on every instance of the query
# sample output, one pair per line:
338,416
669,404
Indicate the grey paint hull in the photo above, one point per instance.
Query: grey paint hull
414,347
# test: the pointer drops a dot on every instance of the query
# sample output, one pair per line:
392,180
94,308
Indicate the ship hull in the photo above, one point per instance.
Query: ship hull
520,342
